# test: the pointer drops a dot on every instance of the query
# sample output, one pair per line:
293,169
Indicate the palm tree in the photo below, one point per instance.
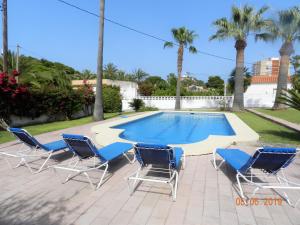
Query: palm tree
98,107
139,75
287,28
243,21
87,75
110,71
184,38
295,61
247,80
290,98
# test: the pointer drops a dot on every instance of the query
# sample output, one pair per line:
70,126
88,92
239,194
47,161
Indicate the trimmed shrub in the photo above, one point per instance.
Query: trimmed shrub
112,99
136,104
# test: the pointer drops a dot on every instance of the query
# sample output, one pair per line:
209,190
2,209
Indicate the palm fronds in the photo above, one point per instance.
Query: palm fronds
291,98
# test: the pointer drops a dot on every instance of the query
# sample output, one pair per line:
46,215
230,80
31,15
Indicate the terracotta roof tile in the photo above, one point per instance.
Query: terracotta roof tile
265,79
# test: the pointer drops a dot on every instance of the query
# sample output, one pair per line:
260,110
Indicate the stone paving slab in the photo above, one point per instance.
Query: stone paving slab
205,196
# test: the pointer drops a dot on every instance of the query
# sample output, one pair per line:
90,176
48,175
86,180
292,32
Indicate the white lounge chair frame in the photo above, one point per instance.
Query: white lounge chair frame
281,184
82,166
26,154
141,175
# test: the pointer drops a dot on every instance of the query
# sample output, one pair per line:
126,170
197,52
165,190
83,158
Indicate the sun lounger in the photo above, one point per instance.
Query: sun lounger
85,150
32,149
269,161
165,160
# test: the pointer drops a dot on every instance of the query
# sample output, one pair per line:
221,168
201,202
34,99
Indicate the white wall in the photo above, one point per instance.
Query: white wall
257,95
261,95
128,89
187,102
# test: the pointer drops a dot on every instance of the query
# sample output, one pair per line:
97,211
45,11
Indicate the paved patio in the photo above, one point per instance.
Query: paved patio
205,196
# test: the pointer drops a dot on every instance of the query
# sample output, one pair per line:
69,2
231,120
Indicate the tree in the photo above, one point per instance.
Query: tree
287,28
290,98
156,81
184,38
139,75
110,71
4,36
243,21
88,75
172,80
215,82
146,89
247,80
295,61
98,108
296,82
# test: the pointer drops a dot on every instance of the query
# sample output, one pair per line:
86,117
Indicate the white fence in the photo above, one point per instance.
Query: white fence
206,102
187,102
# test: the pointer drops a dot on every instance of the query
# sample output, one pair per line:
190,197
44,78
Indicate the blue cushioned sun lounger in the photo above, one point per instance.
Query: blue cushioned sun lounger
163,159
34,148
85,150
269,160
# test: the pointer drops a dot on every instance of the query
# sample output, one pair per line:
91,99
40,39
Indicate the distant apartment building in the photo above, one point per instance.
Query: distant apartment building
266,67
262,91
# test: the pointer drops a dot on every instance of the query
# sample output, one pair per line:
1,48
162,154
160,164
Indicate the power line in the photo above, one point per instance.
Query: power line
141,32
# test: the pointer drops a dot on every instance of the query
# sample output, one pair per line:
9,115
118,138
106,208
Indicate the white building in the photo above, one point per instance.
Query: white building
262,91
128,89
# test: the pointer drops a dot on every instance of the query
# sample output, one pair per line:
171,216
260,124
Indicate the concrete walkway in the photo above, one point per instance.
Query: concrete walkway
290,125
205,196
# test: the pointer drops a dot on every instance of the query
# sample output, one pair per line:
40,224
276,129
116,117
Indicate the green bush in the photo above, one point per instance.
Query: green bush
136,104
112,99
20,101
148,108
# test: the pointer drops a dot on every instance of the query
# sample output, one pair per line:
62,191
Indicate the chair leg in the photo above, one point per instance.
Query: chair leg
175,186
27,165
42,166
69,175
130,161
217,167
183,161
240,186
103,175
132,187
88,178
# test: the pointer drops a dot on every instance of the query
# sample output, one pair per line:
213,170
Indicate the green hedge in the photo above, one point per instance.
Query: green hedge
112,99
19,100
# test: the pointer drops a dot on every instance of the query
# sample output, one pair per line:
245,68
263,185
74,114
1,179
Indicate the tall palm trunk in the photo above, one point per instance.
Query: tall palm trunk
179,71
98,108
4,36
285,51
238,101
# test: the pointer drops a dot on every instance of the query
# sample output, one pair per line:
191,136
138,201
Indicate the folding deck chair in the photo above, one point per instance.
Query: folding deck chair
33,150
165,160
269,161
86,151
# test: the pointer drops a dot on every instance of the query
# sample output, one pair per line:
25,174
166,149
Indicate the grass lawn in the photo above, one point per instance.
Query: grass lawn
270,132
291,115
48,127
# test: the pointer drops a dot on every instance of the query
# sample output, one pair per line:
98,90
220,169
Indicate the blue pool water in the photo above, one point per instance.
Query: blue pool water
175,128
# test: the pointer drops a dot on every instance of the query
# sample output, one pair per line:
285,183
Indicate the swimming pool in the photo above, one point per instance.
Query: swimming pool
176,128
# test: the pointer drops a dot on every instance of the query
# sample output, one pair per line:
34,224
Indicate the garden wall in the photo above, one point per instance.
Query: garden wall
187,102
206,102
18,121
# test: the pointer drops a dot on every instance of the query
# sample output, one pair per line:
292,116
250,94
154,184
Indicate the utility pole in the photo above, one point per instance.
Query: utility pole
17,57
17,62
4,35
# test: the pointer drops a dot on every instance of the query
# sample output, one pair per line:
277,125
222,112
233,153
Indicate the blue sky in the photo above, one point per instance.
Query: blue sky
57,32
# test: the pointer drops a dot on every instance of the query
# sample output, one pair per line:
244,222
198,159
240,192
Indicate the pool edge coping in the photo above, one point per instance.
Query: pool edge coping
105,135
